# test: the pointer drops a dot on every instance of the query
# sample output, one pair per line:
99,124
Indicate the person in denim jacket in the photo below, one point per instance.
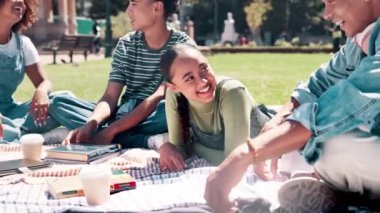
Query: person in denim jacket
333,118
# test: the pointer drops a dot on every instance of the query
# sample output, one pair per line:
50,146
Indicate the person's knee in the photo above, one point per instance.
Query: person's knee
345,162
56,103
334,153
11,134
161,125
336,145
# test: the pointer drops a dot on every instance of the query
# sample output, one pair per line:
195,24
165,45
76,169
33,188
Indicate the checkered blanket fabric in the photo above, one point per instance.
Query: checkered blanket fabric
155,190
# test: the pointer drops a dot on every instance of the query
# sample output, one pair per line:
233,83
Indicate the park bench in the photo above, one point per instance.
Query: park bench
71,44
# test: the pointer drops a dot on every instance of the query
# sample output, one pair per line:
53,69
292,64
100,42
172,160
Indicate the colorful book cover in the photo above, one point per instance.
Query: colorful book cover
71,186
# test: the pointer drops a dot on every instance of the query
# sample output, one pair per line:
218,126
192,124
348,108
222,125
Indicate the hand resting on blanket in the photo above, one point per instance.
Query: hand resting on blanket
170,158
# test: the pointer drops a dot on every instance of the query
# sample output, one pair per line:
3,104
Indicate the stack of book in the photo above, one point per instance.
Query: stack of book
71,186
86,154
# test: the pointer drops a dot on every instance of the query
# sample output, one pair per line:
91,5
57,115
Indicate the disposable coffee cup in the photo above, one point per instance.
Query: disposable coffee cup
31,145
96,181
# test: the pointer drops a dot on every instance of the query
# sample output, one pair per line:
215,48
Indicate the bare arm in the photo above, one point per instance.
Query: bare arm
131,119
39,78
102,111
140,113
277,120
282,139
281,115
107,103
39,107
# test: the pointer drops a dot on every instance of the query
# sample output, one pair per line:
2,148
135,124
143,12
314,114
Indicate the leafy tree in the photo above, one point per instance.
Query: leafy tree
204,16
120,25
294,17
255,15
98,11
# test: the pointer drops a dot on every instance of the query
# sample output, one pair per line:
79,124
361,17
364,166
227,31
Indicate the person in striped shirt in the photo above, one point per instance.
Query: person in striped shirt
139,120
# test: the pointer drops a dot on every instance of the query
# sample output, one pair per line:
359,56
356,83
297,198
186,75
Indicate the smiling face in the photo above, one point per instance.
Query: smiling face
12,10
192,76
143,13
353,16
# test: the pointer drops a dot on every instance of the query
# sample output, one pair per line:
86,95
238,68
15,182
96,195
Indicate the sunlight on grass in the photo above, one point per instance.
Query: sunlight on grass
269,77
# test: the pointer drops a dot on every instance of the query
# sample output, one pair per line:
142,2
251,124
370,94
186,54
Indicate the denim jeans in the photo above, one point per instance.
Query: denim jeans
15,116
11,131
74,113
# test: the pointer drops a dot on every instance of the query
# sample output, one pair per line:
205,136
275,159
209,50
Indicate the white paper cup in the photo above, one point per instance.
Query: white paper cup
31,145
96,181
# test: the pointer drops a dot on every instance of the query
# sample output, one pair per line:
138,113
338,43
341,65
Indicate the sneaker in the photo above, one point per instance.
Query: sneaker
301,173
55,136
156,141
305,194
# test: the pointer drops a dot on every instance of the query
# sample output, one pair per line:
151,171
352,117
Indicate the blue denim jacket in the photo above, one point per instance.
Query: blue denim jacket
341,95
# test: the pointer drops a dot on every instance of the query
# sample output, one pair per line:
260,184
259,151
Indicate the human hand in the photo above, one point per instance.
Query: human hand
39,108
66,140
221,181
82,134
216,194
264,173
170,158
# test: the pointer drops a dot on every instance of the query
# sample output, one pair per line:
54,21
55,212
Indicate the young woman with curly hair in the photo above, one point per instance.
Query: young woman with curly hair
18,57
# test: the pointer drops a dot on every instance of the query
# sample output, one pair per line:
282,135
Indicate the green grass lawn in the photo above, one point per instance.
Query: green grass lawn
269,77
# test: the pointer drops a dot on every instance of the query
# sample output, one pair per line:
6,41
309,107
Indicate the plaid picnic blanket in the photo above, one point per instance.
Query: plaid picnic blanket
155,190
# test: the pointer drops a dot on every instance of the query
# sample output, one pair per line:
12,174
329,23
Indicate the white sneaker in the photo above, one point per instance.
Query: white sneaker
305,194
301,173
156,141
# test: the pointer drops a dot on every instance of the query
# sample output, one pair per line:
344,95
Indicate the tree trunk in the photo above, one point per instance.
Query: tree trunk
256,36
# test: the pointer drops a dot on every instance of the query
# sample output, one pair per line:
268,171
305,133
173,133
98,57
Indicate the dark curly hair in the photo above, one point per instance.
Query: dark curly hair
29,17
170,6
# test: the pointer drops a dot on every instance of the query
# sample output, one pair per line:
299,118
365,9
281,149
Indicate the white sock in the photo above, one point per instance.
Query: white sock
156,141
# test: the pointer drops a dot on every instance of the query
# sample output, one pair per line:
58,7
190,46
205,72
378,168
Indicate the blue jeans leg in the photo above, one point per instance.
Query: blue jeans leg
71,112
29,124
11,131
138,137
